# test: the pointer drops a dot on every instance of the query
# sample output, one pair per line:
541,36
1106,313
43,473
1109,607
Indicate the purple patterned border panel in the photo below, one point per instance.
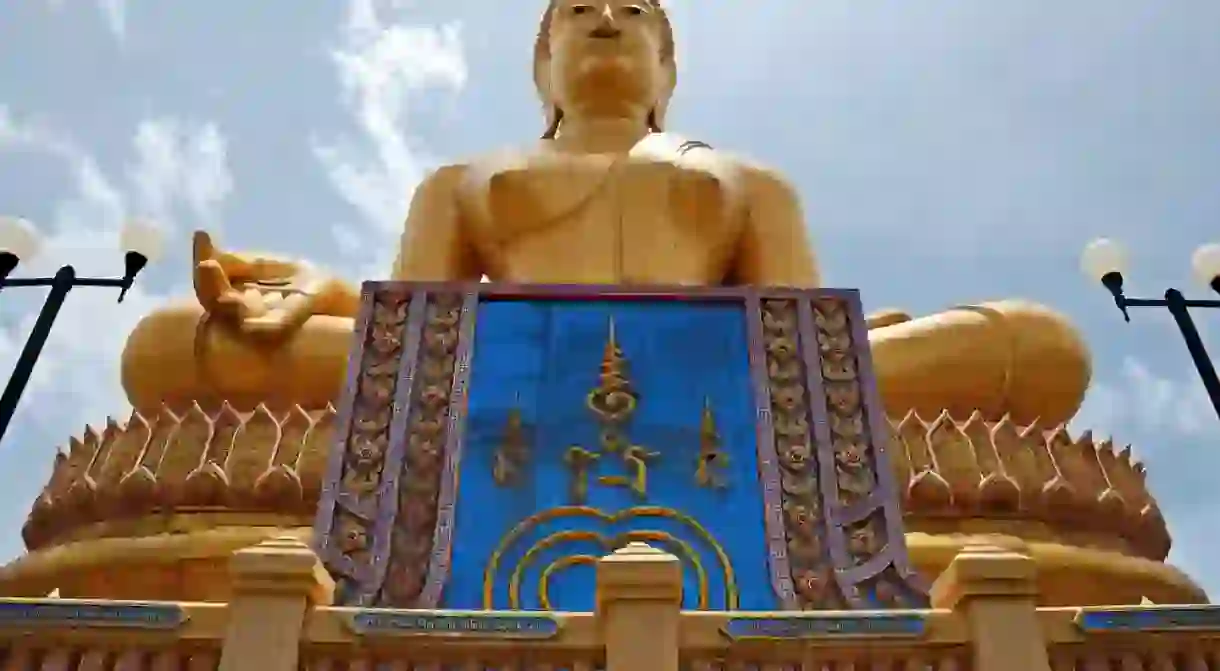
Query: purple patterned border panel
863,519
351,532
430,438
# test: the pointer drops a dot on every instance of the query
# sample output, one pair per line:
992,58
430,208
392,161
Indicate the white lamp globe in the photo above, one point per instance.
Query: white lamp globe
1102,257
1205,263
19,238
142,238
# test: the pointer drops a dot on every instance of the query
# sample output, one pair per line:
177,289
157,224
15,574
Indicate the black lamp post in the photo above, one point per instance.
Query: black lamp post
1105,261
18,242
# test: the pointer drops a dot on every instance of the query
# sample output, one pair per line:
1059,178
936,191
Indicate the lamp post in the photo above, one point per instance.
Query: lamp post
19,242
1106,260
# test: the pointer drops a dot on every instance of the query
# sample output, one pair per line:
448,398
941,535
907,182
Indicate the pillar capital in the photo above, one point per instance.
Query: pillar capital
281,566
638,572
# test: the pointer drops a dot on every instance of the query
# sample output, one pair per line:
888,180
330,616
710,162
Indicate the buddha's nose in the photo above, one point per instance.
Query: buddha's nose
605,31
606,28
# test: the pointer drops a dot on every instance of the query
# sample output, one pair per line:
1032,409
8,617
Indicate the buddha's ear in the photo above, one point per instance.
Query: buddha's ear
553,116
542,81
669,82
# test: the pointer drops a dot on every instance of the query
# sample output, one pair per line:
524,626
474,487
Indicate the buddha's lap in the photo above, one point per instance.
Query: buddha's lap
1006,357
175,356
997,357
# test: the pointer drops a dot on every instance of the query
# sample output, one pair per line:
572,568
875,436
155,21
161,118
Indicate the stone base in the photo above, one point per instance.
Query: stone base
189,564
193,565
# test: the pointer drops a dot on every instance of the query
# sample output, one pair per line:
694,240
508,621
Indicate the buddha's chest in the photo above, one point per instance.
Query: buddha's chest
609,210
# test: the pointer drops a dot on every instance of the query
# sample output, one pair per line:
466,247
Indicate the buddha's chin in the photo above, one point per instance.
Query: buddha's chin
606,66
611,78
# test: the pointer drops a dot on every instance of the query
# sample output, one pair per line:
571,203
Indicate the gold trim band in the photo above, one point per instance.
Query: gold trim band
679,547
604,518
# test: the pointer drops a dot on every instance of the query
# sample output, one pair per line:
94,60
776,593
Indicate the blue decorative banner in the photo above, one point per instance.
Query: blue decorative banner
1157,618
542,428
19,614
465,625
593,424
896,625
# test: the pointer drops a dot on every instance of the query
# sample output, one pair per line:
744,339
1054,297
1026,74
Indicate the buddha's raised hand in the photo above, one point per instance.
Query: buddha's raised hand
264,296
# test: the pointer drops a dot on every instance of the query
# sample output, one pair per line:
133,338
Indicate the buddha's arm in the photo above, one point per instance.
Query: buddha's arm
434,246
774,249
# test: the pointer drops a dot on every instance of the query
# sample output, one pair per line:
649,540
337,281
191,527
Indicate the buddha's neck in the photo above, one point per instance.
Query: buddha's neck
598,134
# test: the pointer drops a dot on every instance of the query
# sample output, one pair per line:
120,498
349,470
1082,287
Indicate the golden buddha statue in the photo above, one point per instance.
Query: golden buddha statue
233,425
606,197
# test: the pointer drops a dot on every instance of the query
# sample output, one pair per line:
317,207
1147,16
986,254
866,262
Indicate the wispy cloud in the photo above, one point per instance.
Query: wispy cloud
385,63
112,12
1139,402
115,14
180,164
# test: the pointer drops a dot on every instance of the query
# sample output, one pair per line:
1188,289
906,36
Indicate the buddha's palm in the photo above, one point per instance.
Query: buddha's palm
263,296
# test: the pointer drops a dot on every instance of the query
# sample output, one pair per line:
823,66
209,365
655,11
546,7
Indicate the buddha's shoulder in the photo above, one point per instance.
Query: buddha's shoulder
478,168
682,149
656,147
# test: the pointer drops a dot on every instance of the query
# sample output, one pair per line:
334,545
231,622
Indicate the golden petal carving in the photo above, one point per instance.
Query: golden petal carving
225,427
999,493
900,459
79,457
92,441
183,454
929,491
314,454
118,454
293,432
963,467
1027,472
136,492
914,436
954,457
160,439
207,486
57,486
279,489
254,445
1017,460
254,461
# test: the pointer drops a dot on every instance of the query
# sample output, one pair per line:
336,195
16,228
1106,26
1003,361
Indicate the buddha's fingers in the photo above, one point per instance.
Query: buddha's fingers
283,320
215,293
202,248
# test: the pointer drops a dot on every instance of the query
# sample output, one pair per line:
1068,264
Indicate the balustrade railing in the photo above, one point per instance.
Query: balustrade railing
984,619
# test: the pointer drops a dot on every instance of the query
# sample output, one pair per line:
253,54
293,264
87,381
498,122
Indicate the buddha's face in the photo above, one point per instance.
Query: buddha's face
606,53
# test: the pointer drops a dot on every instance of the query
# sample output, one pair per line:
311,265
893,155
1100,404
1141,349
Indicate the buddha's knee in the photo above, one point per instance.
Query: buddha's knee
158,365
1046,364
1008,357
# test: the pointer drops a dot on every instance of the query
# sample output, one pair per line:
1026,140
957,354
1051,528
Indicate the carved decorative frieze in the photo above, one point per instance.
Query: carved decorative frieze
350,517
812,571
